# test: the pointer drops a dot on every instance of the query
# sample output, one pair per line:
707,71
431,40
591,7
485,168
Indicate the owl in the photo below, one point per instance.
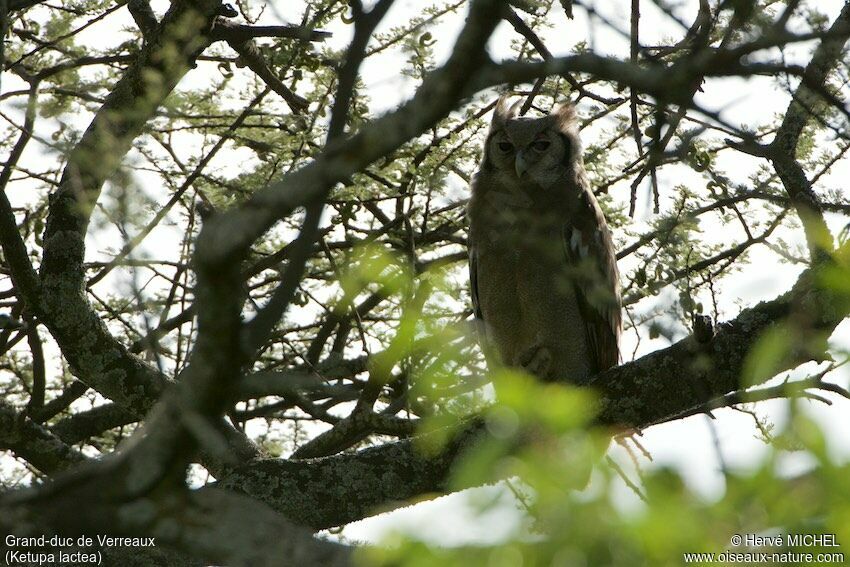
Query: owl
542,265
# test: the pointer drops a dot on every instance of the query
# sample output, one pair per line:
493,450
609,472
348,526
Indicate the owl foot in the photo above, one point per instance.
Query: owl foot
537,360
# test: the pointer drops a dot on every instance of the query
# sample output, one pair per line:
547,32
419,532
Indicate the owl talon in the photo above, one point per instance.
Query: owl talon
537,360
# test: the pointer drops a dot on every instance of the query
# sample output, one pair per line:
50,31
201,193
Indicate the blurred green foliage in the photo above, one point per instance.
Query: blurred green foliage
540,440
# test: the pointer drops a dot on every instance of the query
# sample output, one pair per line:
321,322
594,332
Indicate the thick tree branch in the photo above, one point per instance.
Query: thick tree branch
59,403
34,443
142,490
805,102
377,479
301,248
672,84
229,235
95,356
85,424
211,379
185,415
657,387
15,5
212,525
143,16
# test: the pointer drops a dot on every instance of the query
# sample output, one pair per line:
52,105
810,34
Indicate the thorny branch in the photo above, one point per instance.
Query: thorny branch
313,374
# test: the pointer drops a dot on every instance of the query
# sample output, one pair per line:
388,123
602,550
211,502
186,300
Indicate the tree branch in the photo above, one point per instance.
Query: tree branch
23,274
250,54
783,150
143,16
240,33
95,356
213,525
63,307
15,5
34,443
655,388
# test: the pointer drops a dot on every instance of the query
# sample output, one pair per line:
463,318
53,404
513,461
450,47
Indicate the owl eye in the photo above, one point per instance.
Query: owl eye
505,147
540,145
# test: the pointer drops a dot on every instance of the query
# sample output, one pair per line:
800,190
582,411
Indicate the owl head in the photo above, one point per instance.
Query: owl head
533,151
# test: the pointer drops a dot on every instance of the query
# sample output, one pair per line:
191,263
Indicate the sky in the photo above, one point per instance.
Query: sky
697,446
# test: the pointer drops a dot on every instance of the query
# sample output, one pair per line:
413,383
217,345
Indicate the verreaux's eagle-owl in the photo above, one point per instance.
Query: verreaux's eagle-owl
542,265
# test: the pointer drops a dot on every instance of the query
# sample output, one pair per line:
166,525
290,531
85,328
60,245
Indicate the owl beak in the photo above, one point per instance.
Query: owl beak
520,164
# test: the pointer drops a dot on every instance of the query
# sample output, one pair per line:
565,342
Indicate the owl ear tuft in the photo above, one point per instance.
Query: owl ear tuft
504,111
564,115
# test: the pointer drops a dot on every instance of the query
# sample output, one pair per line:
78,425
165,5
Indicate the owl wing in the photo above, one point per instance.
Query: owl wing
473,279
590,253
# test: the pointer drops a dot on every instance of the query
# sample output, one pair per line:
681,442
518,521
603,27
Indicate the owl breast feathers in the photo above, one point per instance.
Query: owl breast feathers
543,269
